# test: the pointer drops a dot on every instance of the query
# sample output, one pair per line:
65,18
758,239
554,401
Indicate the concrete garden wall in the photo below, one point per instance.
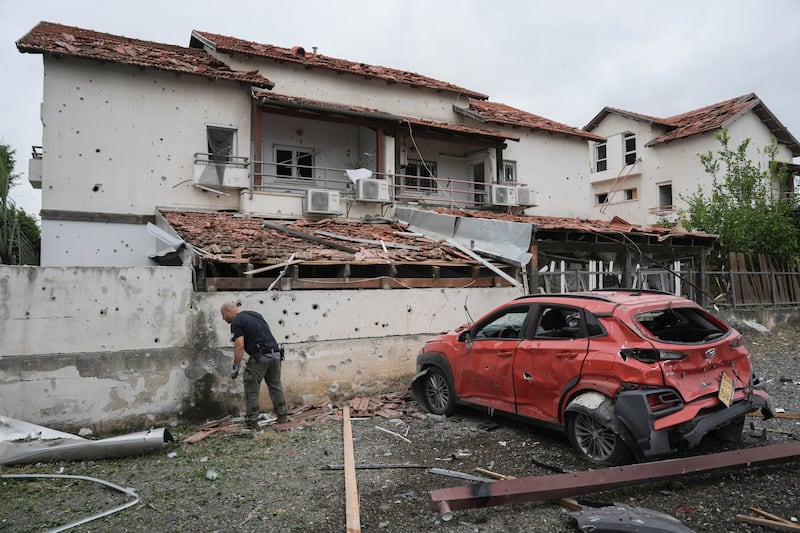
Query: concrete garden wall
121,348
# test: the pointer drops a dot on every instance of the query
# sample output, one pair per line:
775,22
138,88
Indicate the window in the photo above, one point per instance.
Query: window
420,176
600,157
297,163
665,195
601,198
629,141
508,325
509,172
221,143
556,322
630,194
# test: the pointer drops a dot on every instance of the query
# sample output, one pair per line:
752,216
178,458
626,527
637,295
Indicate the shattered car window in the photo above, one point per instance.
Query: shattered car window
680,324
506,326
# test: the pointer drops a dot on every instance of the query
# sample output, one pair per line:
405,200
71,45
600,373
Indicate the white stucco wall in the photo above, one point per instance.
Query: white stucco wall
101,347
68,243
328,86
122,140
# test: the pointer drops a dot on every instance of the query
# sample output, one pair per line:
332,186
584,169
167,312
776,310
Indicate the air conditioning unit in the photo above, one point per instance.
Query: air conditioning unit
373,190
526,196
502,195
322,201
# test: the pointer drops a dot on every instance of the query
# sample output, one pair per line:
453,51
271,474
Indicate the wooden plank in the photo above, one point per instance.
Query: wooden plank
772,524
306,236
367,241
737,278
271,267
352,513
260,284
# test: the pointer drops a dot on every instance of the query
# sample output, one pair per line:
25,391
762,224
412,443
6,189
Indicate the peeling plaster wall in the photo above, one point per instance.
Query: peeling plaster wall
114,348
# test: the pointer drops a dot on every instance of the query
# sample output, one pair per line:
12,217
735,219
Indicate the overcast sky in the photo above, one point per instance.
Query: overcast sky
561,59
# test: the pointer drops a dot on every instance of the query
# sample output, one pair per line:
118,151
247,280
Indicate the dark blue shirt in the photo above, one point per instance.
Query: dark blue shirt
258,338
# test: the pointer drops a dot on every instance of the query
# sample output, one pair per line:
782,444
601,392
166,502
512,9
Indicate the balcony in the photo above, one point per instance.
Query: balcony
661,215
214,172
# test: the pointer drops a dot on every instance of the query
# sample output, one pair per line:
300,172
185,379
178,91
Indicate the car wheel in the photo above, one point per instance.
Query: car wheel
438,392
595,441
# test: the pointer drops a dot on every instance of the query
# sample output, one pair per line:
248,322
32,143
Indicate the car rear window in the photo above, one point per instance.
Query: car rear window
681,324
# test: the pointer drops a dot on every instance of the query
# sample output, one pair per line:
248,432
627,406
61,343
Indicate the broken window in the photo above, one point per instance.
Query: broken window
296,163
677,324
221,143
665,195
509,171
600,157
630,148
420,176
506,326
630,194
558,322
601,198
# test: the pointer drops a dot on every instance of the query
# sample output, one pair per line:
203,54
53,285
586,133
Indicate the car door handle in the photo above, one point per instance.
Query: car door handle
504,354
566,355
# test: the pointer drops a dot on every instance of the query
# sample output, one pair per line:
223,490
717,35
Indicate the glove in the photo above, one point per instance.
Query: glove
235,371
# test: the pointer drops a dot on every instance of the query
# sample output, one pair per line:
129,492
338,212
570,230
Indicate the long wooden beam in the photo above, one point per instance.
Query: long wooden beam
352,512
540,488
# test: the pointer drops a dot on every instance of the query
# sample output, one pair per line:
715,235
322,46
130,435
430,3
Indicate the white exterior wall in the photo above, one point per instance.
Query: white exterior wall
100,346
328,86
105,152
556,167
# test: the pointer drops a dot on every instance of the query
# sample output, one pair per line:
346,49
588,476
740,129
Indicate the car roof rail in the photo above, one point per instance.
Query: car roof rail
594,294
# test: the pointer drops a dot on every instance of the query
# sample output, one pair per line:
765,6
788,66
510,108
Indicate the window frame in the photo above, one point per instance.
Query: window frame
418,183
628,154
295,169
600,161
509,174
221,156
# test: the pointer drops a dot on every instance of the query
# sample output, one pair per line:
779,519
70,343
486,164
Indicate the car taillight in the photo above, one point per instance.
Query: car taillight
662,400
650,355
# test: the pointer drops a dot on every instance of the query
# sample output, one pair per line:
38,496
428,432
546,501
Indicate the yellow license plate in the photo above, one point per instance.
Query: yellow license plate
725,393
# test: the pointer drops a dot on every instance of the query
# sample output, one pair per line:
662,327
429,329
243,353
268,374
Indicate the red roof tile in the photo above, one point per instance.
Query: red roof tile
300,56
708,118
507,115
51,38
229,232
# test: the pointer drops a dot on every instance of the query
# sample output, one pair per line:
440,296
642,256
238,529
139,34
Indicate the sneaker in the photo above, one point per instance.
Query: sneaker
251,425
283,419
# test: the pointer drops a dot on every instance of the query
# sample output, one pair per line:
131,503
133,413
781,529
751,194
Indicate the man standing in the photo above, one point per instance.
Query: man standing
250,333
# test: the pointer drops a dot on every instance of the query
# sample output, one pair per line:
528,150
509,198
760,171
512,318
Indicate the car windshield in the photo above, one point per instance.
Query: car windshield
680,324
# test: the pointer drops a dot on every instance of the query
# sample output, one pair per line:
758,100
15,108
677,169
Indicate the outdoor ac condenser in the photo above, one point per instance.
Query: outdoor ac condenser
373,190
503,195
322,201
526,196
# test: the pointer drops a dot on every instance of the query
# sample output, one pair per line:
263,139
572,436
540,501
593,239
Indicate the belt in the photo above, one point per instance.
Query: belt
267,355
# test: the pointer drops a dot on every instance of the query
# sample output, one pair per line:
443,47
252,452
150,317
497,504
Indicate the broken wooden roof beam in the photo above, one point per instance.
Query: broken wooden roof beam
553,487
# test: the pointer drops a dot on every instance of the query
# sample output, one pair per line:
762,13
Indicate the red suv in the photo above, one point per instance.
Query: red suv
624,373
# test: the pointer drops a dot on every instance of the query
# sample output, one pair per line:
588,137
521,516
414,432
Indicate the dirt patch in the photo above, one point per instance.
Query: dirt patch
291,480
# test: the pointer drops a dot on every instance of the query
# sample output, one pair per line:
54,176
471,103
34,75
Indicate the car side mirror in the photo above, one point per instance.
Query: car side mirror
464,336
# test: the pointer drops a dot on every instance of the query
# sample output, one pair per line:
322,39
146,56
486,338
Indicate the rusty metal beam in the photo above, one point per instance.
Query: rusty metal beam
541,488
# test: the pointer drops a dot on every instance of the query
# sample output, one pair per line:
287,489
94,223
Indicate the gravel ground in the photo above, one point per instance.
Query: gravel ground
280,480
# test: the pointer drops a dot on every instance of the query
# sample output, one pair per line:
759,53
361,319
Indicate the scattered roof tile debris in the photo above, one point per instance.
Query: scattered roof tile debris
230,237
48,37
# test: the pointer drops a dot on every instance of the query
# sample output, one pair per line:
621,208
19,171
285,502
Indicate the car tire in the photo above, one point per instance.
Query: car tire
437,392
596,441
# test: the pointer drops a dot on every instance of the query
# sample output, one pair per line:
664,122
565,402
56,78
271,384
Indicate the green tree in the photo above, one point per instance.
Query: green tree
18,230
743,208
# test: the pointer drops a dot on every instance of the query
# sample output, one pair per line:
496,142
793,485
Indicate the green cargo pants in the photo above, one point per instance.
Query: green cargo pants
270,371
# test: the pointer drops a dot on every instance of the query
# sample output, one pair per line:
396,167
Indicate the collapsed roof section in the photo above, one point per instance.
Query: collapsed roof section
58,39
231,251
